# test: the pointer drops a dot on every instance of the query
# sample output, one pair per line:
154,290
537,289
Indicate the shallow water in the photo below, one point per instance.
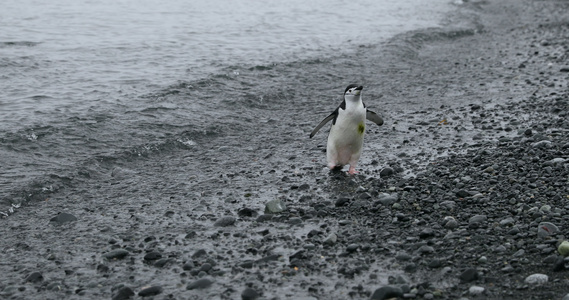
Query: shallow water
91,86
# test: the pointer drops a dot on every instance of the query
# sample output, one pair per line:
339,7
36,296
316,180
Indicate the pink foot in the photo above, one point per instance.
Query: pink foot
352,170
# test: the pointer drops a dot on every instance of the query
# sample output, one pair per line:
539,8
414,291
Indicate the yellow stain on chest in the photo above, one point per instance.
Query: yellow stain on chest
361,128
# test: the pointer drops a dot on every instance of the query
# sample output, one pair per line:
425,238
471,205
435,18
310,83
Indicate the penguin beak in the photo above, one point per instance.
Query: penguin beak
358,90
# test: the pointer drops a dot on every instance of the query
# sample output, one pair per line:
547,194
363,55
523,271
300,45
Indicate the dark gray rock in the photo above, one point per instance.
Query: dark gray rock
387,292
154,255
463,194
387,199
275,206
387,171
468,275
546,229
477,221
150,291
116,254
201,283
247,212
249,294
224,221
123,293
63,218
34,277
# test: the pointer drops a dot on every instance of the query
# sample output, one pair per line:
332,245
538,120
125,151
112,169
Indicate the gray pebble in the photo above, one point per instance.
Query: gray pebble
34,277
386,292
536,279
63,218
224,221
275,206
201,283
150,291
546,229
468,275
123,293
475,290
116,254
249,294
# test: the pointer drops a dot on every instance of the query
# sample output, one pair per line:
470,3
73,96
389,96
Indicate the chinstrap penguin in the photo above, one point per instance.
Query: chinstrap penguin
348,128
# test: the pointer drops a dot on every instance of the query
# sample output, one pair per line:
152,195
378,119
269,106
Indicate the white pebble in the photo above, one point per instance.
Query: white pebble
537,279
476,290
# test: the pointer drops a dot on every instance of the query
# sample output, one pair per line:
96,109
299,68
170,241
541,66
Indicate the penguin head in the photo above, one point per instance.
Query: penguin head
353,92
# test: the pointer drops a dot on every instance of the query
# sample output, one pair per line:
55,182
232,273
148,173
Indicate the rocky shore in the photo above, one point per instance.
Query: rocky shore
464,195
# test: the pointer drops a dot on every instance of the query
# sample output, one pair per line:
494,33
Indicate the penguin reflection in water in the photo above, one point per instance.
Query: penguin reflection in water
346,136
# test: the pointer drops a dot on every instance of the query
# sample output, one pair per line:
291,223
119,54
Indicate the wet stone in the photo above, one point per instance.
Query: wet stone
152,256
563,248
403,256
224,221
275,206
150,291
63,218
475,290
205,267
387,292
387,171
102,268
536,279
199,253
201,283
463,194
427,233
468,275
264,218
188,266
123,293
342,201
426,249
249,294
54,286
352,248
116,254
34,277
386,199
331,239
477,221
507,222
295,221
546,229
162,262
450,223
247,212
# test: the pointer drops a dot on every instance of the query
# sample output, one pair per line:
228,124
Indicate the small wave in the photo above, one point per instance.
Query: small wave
409,44
18,44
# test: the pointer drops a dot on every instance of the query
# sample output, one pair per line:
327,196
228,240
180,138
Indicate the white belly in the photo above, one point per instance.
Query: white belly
346,139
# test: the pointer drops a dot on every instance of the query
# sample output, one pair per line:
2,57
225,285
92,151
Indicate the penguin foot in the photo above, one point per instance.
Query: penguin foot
352,171
335,167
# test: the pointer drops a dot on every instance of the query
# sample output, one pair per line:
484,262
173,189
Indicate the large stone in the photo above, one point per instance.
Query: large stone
275,206
224,221
116,254
537,279
387,292
546,229
201,283
563,248
63,218
150,291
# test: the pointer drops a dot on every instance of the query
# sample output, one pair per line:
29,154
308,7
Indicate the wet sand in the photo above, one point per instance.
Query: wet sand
471,201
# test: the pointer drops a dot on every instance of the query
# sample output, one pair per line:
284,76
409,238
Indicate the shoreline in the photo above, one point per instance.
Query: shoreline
466,224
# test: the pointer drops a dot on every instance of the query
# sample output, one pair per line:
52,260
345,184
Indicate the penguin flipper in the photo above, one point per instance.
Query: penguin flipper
326,120
372,116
